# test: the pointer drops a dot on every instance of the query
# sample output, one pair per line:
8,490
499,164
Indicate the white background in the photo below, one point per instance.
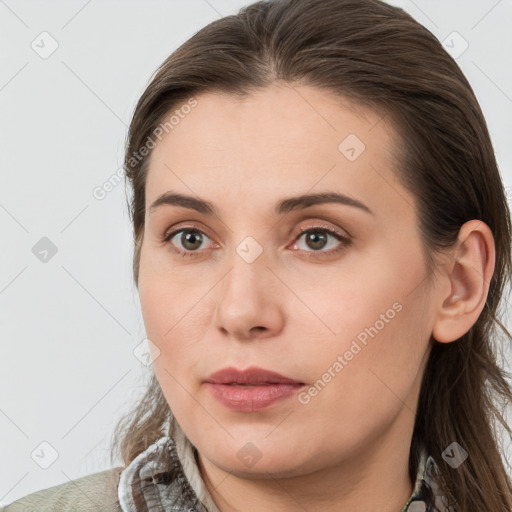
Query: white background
70,325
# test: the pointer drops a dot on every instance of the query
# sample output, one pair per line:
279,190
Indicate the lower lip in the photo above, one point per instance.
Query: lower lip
252,398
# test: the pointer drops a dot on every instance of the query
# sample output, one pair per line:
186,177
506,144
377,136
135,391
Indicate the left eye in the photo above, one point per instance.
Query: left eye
316,237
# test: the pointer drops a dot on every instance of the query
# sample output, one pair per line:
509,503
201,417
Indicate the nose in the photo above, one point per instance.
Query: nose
250,302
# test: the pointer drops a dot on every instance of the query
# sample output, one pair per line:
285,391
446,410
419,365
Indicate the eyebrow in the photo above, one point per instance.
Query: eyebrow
282,207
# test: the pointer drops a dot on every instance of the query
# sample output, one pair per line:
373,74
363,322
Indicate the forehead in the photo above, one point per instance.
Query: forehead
280,138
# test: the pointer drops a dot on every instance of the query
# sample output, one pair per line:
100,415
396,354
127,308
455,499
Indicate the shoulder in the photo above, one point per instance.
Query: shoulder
97,491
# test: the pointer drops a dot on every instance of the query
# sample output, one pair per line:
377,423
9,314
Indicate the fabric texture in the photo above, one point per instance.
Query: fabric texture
91,493
165,477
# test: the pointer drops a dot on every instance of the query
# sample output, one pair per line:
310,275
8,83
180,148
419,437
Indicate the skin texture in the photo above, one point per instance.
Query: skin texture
347,448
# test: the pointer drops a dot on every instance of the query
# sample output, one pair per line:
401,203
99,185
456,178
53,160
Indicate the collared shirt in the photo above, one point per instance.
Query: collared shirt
166,477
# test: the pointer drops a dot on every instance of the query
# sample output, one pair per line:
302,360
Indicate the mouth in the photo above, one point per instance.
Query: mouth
250,385
250,390
252,376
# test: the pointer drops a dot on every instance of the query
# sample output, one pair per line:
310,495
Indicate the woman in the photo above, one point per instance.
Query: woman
322,241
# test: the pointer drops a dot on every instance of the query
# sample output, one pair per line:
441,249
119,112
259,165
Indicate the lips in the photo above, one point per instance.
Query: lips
250,390
250,376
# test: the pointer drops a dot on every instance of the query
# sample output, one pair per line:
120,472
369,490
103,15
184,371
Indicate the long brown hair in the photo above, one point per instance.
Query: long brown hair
379,56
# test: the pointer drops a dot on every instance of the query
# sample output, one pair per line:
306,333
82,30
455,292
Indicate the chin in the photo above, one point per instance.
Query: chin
277,465
258,459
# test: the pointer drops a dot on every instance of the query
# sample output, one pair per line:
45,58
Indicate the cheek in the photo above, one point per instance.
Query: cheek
176,318
169,306
366,284
381,334
363,392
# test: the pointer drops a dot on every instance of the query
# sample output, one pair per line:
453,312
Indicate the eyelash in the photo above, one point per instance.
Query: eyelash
167,237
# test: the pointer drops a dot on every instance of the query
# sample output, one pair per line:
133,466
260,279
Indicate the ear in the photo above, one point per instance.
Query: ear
465,282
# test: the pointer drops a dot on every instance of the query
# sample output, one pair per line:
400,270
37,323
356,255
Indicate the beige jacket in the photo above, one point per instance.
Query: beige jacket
96,492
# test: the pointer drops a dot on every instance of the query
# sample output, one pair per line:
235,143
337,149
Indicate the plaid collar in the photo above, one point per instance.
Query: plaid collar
160,478
427,495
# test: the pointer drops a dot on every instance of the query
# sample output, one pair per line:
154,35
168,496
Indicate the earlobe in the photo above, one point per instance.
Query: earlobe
468,275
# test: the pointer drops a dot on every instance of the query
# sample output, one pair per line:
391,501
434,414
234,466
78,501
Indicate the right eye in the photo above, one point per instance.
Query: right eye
190,239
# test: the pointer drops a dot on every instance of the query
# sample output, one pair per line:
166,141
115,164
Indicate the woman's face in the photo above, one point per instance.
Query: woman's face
347,319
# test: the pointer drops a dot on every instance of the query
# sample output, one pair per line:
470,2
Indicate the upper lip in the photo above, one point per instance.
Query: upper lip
252,375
